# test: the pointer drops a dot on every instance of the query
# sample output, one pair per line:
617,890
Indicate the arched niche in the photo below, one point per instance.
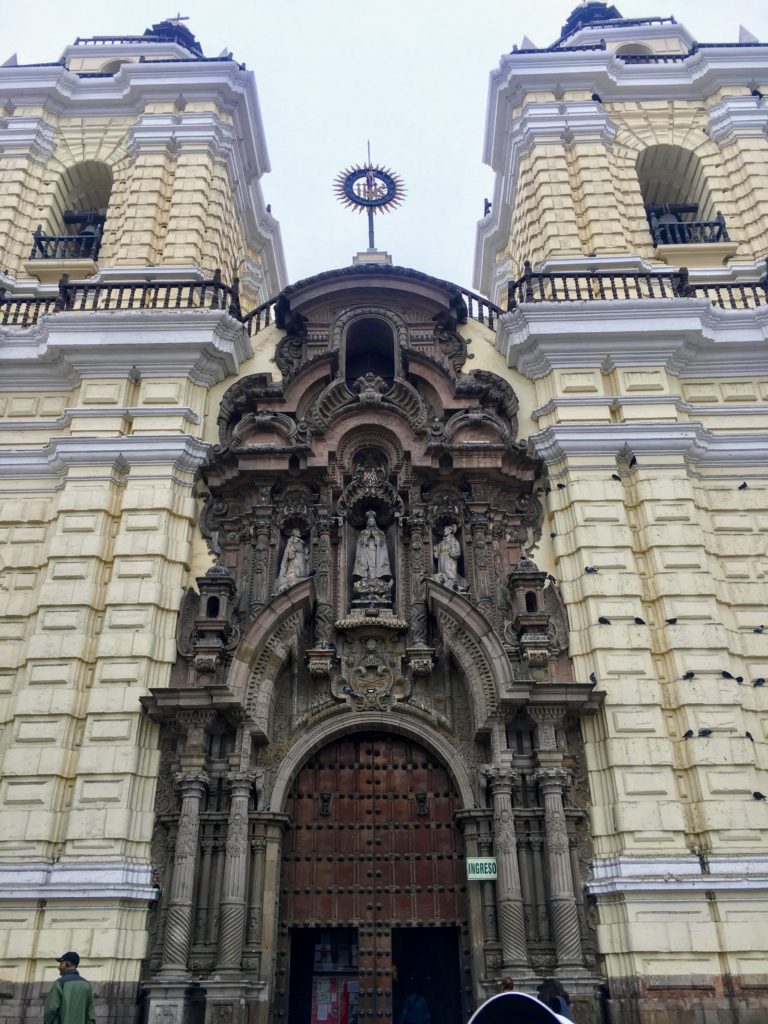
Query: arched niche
633,50
369,347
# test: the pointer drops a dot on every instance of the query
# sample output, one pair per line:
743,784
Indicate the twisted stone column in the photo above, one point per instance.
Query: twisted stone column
565,918
233,896
509,897
178,923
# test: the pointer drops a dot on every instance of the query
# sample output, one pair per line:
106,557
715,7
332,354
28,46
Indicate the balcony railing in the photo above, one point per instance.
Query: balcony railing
65,247
606,286
25,311
531,287
688,232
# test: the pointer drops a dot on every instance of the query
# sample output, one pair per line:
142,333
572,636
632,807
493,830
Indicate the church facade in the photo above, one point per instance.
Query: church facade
366,637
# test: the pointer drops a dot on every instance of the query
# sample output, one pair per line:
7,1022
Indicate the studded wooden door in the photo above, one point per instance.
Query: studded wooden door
372,847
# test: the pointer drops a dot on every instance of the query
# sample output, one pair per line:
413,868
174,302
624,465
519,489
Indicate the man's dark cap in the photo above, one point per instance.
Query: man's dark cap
71,958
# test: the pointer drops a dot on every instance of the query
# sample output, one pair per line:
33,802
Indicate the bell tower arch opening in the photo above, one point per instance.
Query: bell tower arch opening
676,197
373,870
77,213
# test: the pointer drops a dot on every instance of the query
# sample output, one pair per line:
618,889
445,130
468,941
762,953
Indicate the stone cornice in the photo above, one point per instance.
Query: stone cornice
180,452
615,80
688,337
700,447
677,874
86,880
205,345
27,136
129,413
737,117
622,400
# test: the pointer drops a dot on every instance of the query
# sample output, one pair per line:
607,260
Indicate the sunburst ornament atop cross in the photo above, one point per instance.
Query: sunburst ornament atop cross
370,188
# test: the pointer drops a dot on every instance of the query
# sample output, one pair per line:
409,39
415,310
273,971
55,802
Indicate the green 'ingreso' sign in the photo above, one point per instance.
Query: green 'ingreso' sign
481,869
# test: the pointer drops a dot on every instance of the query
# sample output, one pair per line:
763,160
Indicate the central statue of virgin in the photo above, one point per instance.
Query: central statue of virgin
371,555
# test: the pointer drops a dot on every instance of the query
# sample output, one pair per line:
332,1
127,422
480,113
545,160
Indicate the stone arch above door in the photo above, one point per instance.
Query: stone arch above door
327,732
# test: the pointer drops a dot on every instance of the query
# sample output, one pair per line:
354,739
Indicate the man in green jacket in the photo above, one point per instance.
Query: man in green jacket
70,1001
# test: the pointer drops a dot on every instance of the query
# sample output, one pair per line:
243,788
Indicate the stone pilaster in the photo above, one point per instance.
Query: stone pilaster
565,918
490,920
178,924
509,897
234,898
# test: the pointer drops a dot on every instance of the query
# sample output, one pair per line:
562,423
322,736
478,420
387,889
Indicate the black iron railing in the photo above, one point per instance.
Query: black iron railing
531,287
25,311
688,232
607,286
65,247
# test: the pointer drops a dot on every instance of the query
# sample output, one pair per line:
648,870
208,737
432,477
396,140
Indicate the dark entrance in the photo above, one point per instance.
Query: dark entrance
426,965
373,886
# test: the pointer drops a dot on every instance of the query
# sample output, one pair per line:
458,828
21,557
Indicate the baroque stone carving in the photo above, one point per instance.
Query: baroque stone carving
370,677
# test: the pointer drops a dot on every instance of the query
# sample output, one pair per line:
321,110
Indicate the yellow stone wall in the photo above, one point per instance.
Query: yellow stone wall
585,197
672,540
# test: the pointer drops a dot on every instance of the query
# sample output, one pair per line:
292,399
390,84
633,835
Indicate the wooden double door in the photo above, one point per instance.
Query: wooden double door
373,889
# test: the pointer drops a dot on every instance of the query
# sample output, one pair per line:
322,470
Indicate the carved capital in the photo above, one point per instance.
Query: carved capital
240,783
552,780
499,778
191,783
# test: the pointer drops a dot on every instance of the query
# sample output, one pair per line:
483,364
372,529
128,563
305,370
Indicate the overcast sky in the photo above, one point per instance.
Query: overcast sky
410,75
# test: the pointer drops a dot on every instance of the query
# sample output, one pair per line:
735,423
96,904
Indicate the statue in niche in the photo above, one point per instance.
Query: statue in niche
294,564
447,553
371,555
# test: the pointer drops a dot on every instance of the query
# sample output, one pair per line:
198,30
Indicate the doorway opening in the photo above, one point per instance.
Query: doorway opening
426,976
324,986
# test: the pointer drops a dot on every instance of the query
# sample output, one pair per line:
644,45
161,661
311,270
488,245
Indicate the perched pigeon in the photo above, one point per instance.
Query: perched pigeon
592,677
689,674
603,621
705,732
726,675
591,568
743,487
688,735
757,795
759,681
639,621
671,622
749,736
615,476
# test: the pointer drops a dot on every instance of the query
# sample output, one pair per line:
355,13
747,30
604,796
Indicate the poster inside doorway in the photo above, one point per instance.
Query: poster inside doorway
335,999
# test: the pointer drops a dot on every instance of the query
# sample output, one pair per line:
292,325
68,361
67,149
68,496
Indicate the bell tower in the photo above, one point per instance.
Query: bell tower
627,238
626,143
135,156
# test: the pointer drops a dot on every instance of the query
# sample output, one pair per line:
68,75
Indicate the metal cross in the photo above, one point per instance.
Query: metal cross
179,17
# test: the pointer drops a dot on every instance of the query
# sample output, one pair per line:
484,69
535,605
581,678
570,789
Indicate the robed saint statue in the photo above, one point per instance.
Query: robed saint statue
371,555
